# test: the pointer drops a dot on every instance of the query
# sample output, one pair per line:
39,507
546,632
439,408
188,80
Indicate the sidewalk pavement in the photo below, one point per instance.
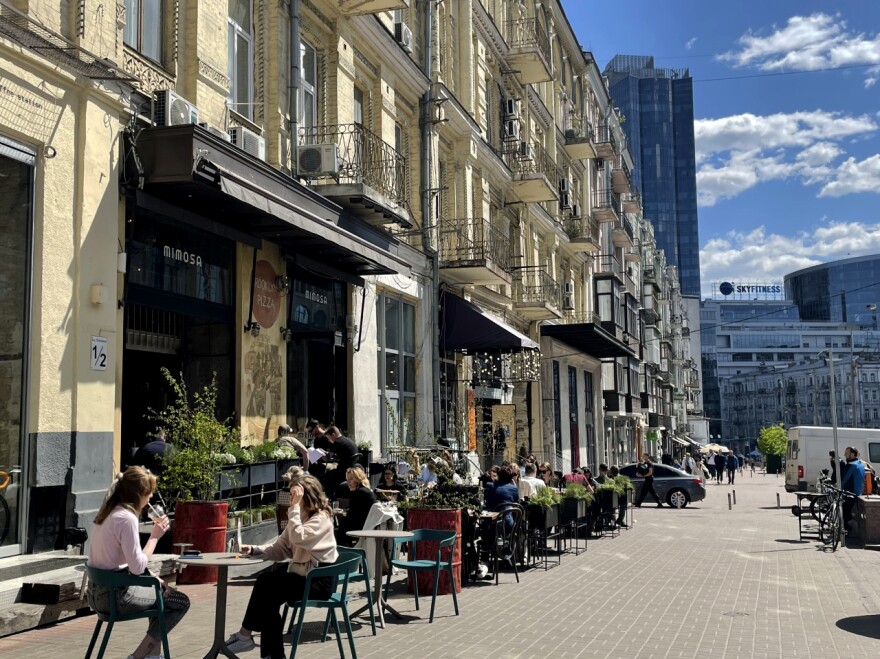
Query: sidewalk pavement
698,582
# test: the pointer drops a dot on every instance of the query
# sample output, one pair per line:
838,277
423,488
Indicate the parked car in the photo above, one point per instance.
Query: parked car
675,487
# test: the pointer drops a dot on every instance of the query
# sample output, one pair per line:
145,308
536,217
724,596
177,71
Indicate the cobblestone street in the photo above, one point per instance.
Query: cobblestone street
702,581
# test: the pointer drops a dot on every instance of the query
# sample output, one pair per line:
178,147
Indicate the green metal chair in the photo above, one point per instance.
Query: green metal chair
446,540
113,580
340,572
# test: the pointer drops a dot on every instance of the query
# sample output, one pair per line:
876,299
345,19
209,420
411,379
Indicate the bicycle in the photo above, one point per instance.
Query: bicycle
831,525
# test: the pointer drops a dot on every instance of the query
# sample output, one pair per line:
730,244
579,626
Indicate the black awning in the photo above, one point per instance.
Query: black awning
199,172
467,327
588,338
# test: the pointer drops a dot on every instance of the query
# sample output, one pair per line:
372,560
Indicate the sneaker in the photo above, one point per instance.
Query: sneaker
482,571
237,643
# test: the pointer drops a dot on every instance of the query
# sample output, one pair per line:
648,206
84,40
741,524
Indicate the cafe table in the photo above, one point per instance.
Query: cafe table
379,536
222,561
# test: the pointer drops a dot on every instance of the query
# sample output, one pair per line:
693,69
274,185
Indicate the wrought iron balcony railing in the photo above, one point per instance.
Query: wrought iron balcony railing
364,158
583,228
529,33
606,199
472,239
607,264
604,135
532,158
577,127
534,284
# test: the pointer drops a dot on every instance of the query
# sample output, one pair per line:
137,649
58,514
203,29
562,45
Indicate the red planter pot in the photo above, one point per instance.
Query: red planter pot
202,524
444,519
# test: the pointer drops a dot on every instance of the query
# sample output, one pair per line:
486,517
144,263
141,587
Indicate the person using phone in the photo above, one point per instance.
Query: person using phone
307,542
115,545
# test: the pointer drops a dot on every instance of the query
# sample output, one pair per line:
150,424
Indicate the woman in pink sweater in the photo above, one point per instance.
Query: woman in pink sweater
115,545
307,542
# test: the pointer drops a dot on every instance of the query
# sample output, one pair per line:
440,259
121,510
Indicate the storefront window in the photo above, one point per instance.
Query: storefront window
397,370
16,188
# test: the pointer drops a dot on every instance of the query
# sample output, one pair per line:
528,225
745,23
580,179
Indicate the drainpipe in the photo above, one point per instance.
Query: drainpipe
427,199
293,86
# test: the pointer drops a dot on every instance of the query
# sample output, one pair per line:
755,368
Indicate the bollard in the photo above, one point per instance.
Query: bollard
777,473
729,505
777,500
734,497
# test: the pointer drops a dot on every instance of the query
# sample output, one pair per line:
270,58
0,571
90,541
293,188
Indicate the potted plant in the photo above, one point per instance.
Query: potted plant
543,509
608,494
268,512
366,451
189,480
575,501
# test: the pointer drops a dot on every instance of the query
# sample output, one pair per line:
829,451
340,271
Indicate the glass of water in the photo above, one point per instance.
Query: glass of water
155,512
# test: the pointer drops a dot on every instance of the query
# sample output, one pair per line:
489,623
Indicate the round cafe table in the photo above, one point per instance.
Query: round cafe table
379,536
223,561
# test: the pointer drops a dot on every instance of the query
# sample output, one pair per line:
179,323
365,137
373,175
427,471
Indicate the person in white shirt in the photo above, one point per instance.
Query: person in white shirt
529,484
115,545
287,440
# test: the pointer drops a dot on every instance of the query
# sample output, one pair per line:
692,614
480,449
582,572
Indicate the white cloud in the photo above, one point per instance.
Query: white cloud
738,152
761,256
853,177
690,43
806,43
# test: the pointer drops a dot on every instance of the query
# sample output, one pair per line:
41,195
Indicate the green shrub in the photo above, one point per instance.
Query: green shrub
577,491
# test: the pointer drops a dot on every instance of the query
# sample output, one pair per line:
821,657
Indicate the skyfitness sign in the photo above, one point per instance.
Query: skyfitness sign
729,288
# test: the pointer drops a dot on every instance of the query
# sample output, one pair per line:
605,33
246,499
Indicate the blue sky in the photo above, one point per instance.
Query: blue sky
788,165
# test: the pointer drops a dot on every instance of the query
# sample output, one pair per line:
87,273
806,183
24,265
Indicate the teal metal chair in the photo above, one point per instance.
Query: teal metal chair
113,580
362,574
340,572
446,540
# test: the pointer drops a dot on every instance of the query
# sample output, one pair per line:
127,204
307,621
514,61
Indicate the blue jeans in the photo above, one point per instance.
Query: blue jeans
132,599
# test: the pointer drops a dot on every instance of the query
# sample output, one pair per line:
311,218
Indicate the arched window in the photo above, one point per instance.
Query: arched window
301,315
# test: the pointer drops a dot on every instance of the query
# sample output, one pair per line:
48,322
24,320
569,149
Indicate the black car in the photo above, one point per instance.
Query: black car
675,487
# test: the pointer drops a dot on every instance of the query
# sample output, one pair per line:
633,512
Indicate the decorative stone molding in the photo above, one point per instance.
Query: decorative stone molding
308,4
149,78
120,15
213,74
359,56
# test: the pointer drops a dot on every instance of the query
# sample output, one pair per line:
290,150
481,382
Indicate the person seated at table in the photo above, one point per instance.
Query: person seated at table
545,473
115,545
287,440
529,484
389,483
307,542
428,474
576,477
361,498
503,490
603,476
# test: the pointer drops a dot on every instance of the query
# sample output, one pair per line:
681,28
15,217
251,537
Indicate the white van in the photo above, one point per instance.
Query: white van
808,447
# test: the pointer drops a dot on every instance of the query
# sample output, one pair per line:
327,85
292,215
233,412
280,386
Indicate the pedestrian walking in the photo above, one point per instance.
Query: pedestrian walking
645,469
710,464
732,466
688,464
719,467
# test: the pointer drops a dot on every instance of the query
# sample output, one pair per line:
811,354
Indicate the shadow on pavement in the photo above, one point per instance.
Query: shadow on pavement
862,625
790,541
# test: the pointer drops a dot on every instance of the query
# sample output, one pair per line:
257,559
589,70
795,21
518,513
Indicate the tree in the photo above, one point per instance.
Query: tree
772,440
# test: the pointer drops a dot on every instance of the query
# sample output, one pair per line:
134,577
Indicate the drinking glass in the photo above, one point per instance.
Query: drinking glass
155,512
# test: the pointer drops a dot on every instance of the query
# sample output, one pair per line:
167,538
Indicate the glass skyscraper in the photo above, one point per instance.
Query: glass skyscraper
658,106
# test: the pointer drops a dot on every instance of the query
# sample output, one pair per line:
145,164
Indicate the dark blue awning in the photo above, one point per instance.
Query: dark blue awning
466,327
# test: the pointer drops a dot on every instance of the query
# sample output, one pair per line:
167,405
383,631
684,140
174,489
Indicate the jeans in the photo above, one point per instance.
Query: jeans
132,599
731,475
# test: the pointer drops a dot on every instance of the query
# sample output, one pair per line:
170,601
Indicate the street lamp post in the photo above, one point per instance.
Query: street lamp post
834,417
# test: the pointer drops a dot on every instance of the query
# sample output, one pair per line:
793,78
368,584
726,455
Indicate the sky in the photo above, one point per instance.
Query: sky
788,155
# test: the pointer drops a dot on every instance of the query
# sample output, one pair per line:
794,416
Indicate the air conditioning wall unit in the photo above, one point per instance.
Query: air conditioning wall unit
511,108
317,160
171,109
568,296
575,210
564,185
404,36
564,200
248,141
525,151
211,128
511,129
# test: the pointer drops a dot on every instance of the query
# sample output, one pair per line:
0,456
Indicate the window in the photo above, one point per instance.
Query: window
241,57
308,102
358,106
396,369
143,27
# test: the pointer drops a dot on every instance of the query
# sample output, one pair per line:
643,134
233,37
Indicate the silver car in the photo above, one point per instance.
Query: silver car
675,487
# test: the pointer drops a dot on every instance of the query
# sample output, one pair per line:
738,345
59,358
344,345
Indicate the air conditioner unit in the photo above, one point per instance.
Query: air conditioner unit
249,141
564,200
564,185
575,210
174,110
404,36
511,129
525,151
568,296
222,134
511,108
317,160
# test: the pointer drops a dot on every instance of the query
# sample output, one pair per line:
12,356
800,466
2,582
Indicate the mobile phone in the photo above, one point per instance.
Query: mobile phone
191,553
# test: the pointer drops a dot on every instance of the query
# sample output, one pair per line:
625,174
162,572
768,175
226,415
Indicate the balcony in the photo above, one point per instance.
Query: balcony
529,55
623,234
605,144
607,264
631,202
633,254
535,294
578,137
535,175
605,205
357,7
583,234
370,180
472,251
620,176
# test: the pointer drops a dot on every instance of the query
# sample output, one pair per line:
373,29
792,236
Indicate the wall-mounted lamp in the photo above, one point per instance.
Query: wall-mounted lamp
282,283
253,327
286,334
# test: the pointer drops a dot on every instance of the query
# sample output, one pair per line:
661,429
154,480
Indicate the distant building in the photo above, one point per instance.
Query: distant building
846,291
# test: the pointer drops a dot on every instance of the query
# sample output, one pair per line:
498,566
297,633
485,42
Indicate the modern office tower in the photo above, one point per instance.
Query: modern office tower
658,106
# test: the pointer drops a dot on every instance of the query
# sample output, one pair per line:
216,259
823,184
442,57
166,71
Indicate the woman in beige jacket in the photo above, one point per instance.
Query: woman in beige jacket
307,542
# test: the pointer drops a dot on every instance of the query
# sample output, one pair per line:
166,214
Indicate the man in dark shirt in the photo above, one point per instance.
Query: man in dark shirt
152,454
645,469
720,461
342,447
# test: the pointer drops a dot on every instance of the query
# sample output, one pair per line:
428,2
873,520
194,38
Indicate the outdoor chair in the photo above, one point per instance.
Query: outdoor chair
112,580
361,573
340,572
507,539
446,540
